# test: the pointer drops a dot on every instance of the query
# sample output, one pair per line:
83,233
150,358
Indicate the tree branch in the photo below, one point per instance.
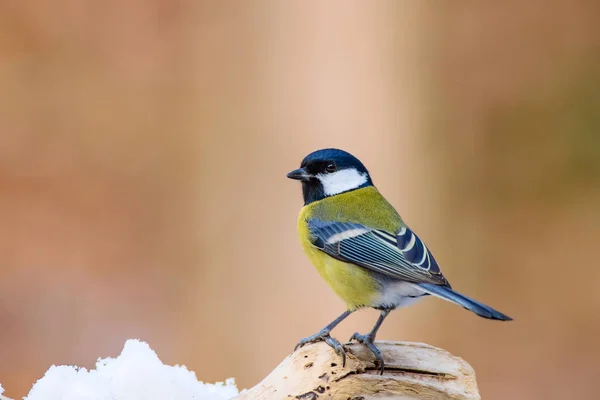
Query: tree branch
413,371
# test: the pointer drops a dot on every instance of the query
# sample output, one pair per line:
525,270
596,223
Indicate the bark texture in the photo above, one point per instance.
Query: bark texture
413,371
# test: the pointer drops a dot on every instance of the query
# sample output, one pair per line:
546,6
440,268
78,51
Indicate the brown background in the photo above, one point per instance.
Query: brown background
143,152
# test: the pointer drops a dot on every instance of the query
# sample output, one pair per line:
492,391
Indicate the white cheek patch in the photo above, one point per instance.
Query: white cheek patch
342,181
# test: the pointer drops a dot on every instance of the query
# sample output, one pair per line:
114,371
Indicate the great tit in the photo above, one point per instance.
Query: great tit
363,249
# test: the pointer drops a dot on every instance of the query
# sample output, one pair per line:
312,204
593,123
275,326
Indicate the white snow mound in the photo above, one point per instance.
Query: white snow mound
137,373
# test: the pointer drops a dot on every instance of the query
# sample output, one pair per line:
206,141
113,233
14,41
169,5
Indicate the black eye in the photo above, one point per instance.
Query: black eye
330,168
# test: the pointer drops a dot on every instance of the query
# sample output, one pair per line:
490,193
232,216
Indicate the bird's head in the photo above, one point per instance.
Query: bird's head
328,172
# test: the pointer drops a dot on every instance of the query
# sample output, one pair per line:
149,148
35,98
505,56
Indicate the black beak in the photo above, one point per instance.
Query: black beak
299,174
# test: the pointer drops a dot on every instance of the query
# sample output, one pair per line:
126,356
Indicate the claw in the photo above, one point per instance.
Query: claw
317,337
338,348
367,340
299,345
325,337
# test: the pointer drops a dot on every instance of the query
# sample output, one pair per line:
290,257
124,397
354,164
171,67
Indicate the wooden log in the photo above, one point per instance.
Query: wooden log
413,371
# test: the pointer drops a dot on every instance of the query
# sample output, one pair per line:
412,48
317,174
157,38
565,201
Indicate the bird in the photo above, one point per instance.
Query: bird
363,249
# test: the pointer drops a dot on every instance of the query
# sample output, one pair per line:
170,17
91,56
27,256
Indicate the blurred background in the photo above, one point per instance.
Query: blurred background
143,152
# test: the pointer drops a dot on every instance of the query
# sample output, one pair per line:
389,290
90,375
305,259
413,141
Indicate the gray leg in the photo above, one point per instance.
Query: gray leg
369,338
323,335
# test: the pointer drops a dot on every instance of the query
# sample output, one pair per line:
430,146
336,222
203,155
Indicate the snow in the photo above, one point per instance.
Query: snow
137,373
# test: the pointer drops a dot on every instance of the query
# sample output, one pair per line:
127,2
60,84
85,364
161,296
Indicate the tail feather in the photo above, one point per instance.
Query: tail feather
478,308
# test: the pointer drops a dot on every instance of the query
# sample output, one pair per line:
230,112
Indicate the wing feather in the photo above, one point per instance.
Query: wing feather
402,255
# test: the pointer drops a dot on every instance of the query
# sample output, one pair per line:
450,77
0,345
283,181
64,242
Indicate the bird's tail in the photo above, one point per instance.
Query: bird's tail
478,308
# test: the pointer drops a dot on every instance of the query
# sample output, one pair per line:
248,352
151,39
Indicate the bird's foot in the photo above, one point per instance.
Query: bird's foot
367,340
325,337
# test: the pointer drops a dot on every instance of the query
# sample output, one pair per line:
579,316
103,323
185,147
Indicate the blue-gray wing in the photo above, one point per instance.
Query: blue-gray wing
402,255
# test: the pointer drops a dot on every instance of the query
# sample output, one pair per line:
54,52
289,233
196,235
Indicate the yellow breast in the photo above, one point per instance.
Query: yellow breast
355,285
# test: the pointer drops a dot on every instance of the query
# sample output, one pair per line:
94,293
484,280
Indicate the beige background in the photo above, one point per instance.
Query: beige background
143,152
